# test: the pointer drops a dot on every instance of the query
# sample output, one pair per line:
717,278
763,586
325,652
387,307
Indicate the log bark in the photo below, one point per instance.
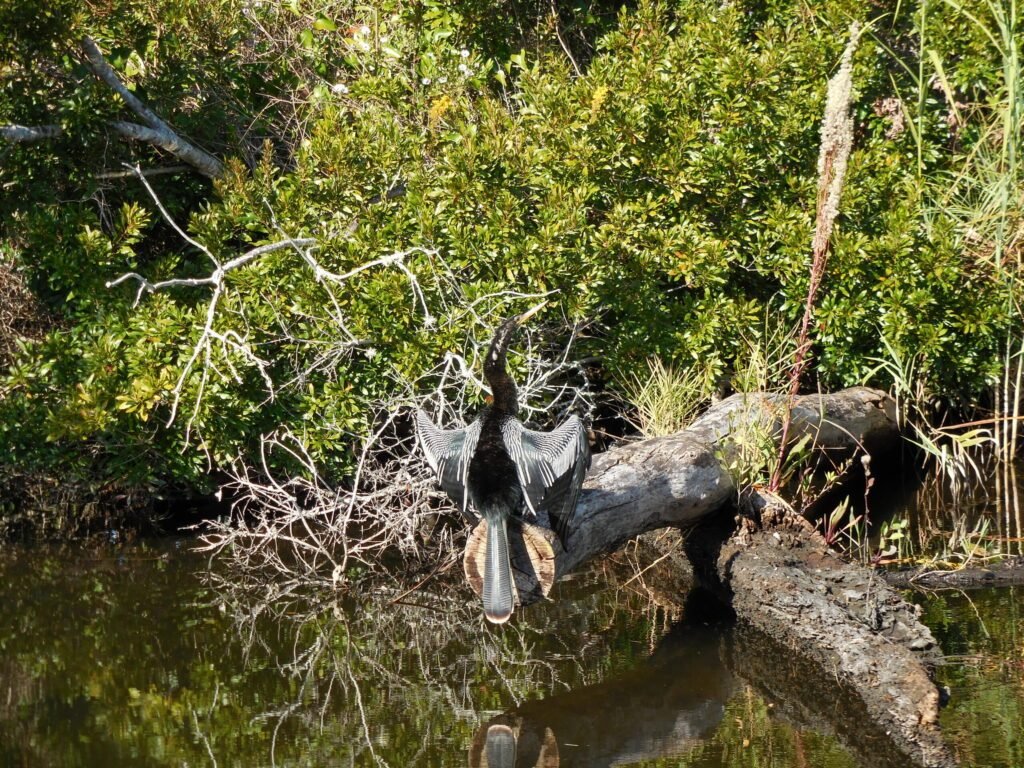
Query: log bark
679,480
770,566
782,579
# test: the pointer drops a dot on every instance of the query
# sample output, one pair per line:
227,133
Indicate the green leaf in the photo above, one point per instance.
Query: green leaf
324,24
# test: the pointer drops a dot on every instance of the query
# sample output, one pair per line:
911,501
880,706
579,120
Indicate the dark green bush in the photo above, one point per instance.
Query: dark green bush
667,195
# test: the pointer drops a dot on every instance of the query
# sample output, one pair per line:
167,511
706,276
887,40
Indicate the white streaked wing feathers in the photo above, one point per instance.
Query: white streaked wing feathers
448,452
551,466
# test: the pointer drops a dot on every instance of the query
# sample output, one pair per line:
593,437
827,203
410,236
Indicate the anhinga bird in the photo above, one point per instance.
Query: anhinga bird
497,469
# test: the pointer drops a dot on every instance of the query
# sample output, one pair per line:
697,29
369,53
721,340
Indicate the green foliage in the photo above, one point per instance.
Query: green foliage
667,195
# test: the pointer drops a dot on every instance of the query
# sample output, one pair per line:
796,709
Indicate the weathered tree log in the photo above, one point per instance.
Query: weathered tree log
772,568
679,480
784,581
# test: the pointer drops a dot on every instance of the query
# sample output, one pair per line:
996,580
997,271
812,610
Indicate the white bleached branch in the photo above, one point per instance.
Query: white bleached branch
230,340
154,130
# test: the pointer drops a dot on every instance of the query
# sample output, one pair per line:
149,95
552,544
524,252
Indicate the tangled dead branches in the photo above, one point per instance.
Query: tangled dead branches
306,528
21,314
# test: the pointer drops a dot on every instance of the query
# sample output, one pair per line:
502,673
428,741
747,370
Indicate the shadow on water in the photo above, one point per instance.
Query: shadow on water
664,706
971,515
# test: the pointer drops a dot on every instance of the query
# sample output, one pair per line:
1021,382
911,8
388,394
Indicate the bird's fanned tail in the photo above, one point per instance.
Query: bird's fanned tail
497,592
501,747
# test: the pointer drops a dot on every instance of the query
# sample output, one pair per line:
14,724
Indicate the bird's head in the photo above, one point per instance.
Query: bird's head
503,337
502,386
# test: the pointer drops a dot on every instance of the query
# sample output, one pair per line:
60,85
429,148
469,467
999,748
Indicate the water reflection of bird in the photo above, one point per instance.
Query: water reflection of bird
498,469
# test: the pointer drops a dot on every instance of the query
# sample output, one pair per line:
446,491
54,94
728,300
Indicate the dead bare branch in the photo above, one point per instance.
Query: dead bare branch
155,131
303,526
27,133
161,171
309,531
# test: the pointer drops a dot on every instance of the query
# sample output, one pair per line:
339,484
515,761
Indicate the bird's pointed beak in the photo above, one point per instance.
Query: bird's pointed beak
531,312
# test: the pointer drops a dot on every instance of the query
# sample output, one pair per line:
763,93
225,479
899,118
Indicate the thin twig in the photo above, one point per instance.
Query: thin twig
561,41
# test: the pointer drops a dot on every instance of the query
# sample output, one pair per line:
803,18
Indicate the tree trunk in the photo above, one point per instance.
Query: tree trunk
682,479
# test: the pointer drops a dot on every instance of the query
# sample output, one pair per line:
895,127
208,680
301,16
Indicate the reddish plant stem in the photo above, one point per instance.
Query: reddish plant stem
821,249
836,142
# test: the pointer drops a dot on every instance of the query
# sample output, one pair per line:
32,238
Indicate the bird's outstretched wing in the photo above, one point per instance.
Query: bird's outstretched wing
551,467
448,452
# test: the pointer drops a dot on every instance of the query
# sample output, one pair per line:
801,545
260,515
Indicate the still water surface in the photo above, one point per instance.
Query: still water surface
130,656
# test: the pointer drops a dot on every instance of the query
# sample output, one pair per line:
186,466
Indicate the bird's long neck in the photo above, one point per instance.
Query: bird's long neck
503,389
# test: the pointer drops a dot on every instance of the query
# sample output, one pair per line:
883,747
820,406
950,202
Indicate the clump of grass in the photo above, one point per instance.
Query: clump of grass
983,197
954,450
767,362
750,453
666,398
894,542
961,547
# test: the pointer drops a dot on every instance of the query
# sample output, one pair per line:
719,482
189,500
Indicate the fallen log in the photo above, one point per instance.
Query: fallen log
774,571
1005,573
679,480
781,579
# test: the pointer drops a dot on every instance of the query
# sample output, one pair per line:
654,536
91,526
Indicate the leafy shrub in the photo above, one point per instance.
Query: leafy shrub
666,196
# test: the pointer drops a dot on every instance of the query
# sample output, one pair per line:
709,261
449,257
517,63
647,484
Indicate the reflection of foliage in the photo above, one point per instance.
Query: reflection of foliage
109,657
971,521
982,634
122,657
751,735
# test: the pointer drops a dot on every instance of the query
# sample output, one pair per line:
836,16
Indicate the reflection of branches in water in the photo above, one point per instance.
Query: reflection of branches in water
953,521
429,657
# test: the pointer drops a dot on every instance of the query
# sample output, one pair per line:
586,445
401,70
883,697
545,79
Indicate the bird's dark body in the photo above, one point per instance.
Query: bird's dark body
493,485
498,469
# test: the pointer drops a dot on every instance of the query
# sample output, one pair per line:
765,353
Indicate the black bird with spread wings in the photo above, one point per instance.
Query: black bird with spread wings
495,468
